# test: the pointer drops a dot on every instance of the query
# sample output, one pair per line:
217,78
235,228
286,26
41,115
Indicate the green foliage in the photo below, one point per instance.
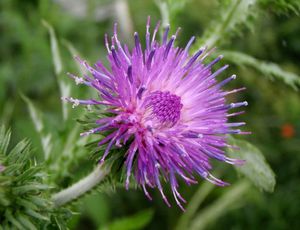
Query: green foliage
268,69
169,9
282,6
59,155
256,169
234,196
37,119
203,191
232,17
137,221
28,48
24,198
64,87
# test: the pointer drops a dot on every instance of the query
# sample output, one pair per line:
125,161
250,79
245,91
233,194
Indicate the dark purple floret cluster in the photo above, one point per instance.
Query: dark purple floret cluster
167,106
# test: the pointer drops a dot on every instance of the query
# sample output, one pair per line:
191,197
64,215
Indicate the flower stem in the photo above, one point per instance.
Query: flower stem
81,187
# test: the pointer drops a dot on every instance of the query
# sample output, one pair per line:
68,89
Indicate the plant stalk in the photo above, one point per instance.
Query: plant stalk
81,187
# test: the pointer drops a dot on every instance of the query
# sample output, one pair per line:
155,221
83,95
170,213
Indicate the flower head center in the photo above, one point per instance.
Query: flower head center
165,107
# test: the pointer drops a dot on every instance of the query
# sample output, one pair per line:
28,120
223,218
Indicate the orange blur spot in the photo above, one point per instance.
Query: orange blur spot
287,131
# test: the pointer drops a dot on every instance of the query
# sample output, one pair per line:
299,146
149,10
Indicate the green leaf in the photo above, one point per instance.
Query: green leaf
54,48
15,154
282,6
29,187
269,69
36,215
24,199
134,222
36,117
75,53
64,87
234,14
39,201
169,10
164,12
26,222
28,173
35,114
11,219
4,139
256,169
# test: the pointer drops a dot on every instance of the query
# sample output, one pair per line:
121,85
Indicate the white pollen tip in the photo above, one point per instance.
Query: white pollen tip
233,76
245,103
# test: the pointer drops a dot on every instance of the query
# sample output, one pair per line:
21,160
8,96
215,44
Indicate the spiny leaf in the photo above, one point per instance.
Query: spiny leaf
64,87
39,201
26,222
36,215
37,119
234,14
35,114
28,173
269,69
24,199
282,6
11,219
15,154
256,169
4,139
54,48
29,187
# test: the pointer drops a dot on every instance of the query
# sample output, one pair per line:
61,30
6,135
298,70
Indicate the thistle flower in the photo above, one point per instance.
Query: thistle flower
167,106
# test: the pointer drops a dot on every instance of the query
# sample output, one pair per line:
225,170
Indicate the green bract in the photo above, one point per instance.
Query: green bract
24,200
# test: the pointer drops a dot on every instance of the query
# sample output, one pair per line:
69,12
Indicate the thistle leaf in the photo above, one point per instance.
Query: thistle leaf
26,222
36,117
35,114
64,87
234,14
269,69
282,6
24,198
4,139
256,169
54,48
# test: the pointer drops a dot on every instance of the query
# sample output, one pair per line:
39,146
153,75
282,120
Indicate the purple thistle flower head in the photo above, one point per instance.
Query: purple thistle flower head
167,106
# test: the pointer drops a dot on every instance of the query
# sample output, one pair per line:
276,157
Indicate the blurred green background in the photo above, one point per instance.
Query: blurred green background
273,114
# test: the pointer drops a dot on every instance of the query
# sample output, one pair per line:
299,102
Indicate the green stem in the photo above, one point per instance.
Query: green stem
194,204
234,196
211,42
81,187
